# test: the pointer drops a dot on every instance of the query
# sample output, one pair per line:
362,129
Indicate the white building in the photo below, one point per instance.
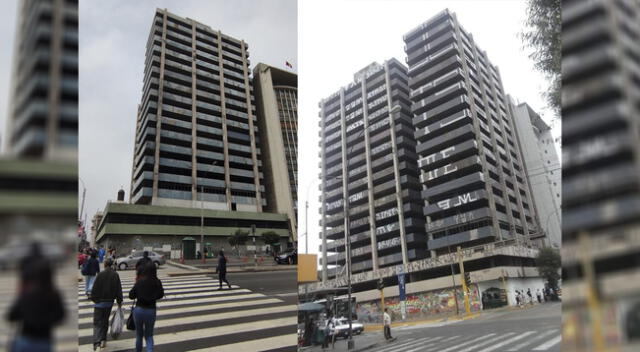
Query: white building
543,169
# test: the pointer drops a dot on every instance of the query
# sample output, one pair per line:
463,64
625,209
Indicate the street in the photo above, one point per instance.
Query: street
194,316
531,329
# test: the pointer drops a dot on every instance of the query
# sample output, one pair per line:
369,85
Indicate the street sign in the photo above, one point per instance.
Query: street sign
401,287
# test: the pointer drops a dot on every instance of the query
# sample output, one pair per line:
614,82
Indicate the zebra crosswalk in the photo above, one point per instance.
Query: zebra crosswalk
543,340
195,316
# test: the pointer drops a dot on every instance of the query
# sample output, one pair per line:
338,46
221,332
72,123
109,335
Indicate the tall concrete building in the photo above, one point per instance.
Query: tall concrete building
196,135
369,162
600,173
43,113
463,181
197,165
276,93
475,186
543,169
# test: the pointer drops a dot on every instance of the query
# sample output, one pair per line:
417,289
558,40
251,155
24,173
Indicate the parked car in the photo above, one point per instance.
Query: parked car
129,262
342,328
288,257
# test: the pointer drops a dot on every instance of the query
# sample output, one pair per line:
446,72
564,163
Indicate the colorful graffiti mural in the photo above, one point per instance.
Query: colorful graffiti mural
421,305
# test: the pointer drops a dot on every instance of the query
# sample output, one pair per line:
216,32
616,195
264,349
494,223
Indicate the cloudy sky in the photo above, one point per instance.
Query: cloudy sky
338,38
113,36
7,36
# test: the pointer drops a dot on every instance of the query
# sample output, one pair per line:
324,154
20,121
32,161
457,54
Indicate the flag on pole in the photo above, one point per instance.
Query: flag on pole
289,65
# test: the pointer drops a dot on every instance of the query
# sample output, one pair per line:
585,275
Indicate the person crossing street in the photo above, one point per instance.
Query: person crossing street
221,269
387,325
106,288
147,290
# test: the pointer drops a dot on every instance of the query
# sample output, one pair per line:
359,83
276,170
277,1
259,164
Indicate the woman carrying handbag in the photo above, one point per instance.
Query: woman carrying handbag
146,291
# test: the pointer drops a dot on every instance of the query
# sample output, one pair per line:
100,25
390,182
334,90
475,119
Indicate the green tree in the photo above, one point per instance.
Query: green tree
240,237
549,262
542,34
271,238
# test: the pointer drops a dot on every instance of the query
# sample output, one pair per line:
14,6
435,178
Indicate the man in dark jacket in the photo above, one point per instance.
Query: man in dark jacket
221,269
145,260
106,288
90,269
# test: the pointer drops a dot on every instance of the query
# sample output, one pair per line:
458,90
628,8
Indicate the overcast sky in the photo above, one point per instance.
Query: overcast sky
7,36
338,38
113,37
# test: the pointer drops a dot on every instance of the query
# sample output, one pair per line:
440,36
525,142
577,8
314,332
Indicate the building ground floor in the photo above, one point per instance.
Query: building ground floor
433,286
178,232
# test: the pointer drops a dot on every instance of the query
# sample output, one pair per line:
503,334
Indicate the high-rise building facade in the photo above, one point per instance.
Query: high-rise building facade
475,187
600,166
43,113
369,163
196,132
543,170
276,94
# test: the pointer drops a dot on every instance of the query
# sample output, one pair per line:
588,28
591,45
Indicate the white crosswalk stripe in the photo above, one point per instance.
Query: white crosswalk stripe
493,342
533,340
194,315
549,344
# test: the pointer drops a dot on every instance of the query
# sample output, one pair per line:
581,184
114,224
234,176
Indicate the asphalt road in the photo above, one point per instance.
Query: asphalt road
282,283
532,329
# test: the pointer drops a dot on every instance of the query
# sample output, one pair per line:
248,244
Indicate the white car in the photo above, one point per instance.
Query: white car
342,328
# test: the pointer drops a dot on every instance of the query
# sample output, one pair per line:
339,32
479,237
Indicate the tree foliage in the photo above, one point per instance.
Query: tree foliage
241,237
270,238
549,263
542,34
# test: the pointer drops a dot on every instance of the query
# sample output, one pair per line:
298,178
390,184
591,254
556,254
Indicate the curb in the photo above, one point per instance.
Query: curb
182,266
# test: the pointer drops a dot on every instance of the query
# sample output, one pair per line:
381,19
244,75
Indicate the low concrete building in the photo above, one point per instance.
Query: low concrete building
128,227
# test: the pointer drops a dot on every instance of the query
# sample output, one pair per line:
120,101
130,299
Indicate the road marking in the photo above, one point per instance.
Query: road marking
406,343
506,342
199,308
208,317
197,299
545,346
420,348
485,342
181,336
466,343
528,342
255,345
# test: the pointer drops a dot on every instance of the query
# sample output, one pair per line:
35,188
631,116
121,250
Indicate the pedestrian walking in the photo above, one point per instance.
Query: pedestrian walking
530,296
106,288
101,253
517,298
38,307
539,295
142,263
90,269
146,291
221,269
387,325
329,327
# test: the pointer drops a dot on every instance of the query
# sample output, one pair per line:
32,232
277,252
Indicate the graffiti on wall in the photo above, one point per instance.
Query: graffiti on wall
421,305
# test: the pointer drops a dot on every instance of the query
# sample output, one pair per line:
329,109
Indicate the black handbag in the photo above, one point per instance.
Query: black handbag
131,324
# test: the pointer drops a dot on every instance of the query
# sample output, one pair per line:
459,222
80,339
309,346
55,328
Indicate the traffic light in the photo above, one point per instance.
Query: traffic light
380,284
467,280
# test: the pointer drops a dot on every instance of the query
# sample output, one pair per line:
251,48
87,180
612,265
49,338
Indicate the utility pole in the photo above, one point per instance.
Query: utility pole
465,289
202,224
593,301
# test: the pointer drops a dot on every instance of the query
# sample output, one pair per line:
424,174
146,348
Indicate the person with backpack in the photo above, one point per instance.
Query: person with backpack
90,269
146,291
39,305
106,288
221,269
